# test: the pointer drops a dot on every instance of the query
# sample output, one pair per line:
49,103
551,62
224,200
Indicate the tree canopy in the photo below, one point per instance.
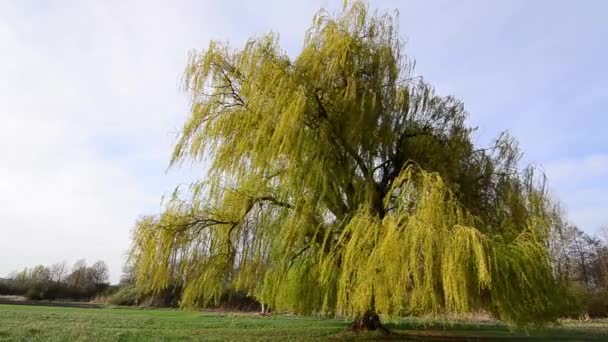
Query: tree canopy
339,182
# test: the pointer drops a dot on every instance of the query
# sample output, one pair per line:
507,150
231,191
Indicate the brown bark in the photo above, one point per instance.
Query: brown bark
369,321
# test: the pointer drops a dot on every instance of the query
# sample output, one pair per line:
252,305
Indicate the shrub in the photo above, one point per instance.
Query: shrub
6,288
36,292
126,295
581,300
596,303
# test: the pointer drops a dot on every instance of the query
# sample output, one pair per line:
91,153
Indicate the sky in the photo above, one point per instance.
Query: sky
90,102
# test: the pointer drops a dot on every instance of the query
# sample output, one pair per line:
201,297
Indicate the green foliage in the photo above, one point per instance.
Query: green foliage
592,302
339,182
126,295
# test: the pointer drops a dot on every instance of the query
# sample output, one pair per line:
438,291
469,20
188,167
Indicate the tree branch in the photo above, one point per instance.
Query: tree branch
273,201
349,150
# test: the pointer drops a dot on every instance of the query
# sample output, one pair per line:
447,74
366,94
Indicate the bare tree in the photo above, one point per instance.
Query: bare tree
99,273
59,272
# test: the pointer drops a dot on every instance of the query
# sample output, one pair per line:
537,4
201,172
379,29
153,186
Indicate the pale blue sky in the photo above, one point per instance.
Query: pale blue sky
90,102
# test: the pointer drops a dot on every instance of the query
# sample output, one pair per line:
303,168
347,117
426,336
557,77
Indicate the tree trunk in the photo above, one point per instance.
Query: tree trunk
265,310
369,321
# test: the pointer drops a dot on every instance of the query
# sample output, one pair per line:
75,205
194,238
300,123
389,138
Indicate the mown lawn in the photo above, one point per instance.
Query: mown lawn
39,323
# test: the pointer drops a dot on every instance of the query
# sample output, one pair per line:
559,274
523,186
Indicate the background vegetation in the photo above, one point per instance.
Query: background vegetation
81,282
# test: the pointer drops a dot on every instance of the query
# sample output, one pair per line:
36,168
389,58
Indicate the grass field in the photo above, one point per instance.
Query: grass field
40,323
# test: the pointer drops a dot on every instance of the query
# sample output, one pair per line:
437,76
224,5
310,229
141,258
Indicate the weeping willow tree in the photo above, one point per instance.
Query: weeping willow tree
338,182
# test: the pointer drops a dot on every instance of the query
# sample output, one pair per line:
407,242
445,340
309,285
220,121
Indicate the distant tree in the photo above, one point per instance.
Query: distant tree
128,273
78,276
581,262
59,272
20,280
56,281
603,232
339,182
99,273
599,264
581,249
578,256
40,274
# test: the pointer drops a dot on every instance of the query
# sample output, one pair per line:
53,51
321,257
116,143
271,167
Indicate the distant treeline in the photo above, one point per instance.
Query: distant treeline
580,261
59,281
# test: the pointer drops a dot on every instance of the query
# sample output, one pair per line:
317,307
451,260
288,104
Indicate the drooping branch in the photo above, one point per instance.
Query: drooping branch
349,150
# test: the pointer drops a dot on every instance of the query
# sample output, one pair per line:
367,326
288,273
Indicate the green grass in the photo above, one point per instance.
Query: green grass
39,323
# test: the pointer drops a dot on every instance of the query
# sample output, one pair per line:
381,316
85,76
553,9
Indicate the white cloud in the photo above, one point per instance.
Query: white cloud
88,98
